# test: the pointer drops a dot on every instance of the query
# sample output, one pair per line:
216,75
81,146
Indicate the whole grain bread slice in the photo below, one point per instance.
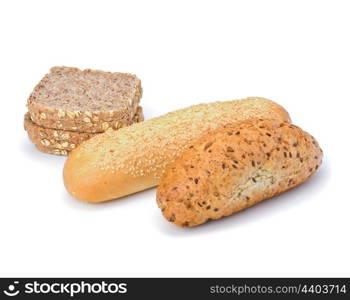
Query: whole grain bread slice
85,101
54,138
61,142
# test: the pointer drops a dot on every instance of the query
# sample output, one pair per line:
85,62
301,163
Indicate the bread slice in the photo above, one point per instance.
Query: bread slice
85,101
58,141
235,167
134,158
54,138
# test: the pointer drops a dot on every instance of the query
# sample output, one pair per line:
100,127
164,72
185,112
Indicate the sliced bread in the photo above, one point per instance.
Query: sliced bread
57,141
85,101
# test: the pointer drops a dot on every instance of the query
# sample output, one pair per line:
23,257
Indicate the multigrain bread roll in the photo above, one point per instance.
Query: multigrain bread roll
84,100
131,159
235,167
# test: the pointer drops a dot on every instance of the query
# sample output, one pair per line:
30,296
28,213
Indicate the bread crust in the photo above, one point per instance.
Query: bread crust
84,120
134,158
235,167
61,142
51,150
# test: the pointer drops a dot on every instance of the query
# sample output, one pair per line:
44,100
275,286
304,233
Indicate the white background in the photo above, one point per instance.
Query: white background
294,52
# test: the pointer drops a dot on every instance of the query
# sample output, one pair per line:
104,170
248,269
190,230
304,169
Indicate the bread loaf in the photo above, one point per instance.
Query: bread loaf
131,159
235,167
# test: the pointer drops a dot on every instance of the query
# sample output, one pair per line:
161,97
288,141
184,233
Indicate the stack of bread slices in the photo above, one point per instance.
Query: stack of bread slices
69,106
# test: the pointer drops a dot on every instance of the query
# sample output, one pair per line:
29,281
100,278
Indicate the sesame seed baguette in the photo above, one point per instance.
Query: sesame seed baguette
48,139
122,162
235,167
85,101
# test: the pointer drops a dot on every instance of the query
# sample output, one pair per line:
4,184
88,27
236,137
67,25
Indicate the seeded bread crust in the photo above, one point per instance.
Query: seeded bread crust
122,162
61,142
236,167
116,108
50,150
